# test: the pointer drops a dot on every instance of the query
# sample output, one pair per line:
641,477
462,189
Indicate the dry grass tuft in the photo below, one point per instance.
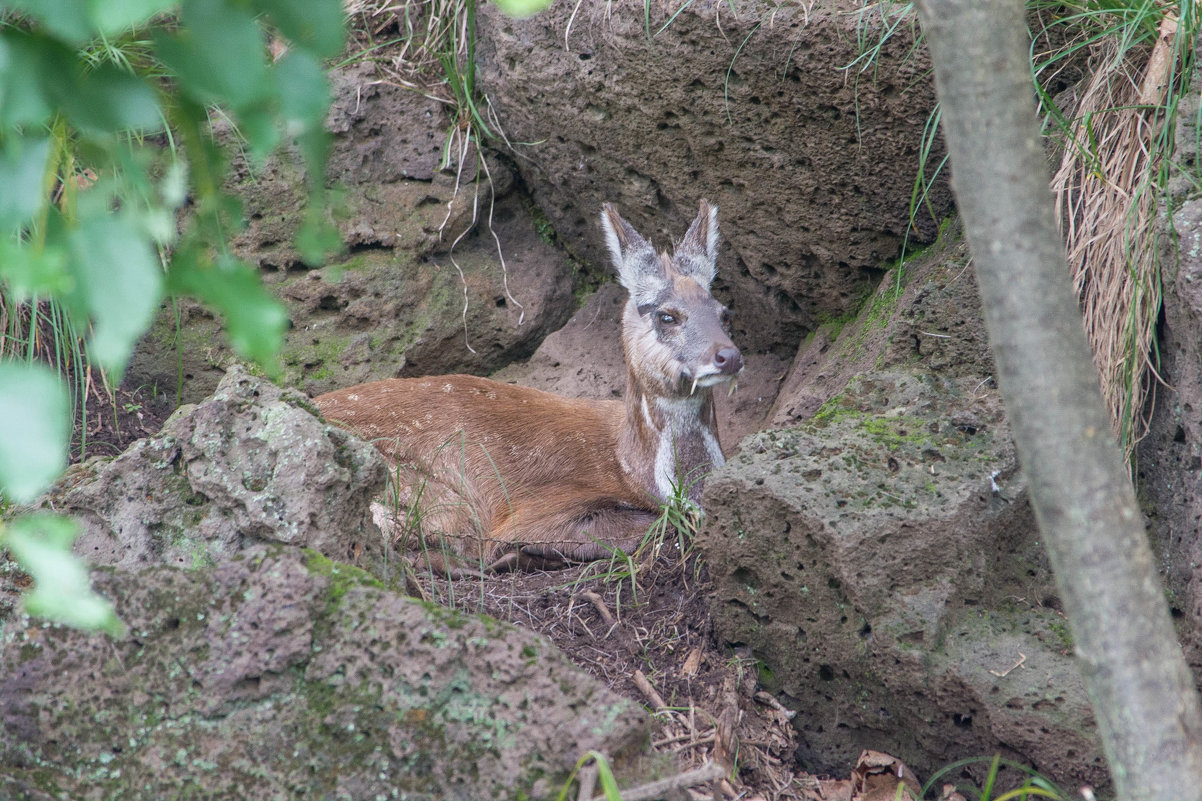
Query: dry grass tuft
1106,194
407,39
428,46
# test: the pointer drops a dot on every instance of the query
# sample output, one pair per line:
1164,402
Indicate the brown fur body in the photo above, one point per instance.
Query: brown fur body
498,469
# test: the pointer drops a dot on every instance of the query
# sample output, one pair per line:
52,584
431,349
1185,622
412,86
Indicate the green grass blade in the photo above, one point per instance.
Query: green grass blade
730,68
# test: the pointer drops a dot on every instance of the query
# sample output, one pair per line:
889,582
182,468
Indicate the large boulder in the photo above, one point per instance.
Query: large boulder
382,314
1169,460
445,270
879,557
259,662
758,107
249,465
278,674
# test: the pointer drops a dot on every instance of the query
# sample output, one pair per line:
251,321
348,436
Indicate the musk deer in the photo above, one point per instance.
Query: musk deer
512,476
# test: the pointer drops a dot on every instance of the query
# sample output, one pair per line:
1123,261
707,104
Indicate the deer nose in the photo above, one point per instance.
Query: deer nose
728,360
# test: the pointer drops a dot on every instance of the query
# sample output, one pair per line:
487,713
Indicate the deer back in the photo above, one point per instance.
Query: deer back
491,465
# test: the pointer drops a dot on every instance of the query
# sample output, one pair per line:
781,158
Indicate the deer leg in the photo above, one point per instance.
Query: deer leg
449,566
526,560
549,541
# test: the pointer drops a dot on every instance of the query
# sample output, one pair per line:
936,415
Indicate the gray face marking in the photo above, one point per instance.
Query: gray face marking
689,325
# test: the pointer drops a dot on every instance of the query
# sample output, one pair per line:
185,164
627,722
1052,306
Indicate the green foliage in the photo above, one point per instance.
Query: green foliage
255,321
523,8
677,525
1073,26
1034,786
102,212
34,430
1115,136
668,541
609,785
42,545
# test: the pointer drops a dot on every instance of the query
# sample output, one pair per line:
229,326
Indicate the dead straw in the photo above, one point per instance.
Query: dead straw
421,31
1106,197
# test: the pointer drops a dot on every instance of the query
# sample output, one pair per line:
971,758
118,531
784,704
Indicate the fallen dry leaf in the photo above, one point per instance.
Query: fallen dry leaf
950,793
829,790
877,777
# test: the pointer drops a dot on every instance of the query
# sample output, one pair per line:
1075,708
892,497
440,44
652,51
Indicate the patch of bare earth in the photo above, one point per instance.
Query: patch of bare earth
649,637
113,419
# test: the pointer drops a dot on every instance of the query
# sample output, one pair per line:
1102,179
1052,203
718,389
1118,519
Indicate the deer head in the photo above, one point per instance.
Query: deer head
674,331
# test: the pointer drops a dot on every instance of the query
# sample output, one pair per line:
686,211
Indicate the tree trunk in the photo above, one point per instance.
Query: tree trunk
1143,695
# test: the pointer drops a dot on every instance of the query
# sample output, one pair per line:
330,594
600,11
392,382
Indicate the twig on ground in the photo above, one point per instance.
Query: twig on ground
600,606
1021,658
690,778
588,781
649,692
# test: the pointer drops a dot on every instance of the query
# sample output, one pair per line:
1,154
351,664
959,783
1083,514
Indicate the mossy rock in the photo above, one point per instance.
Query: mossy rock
281,674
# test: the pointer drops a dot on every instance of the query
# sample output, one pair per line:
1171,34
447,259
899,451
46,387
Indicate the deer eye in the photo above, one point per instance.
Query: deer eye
666,318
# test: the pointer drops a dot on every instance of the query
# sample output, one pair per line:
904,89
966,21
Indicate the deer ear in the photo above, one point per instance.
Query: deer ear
697,254
639,268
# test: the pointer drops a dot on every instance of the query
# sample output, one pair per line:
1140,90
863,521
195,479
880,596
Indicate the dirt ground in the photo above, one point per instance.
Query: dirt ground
650,638
113,420
643,627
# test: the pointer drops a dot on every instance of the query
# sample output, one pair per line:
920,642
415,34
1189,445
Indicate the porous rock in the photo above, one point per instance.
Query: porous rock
251,464
879,556
442,272
757,107
378,315
1169,459
278,674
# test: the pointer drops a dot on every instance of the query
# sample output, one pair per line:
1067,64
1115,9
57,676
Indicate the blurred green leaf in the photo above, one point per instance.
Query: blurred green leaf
67,19
218,55
318,238
110,100
174,186
119,282
29,272
304,99
22,101
35,428
304,91
109,17
53,72
82,209
522,8
62,590
206,161
314,146
318,25
22,173
255,321
260,127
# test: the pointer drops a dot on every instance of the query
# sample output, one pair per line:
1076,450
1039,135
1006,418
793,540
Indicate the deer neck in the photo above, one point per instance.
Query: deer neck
668,440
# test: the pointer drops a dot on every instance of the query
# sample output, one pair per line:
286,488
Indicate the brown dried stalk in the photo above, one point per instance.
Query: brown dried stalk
1106,200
